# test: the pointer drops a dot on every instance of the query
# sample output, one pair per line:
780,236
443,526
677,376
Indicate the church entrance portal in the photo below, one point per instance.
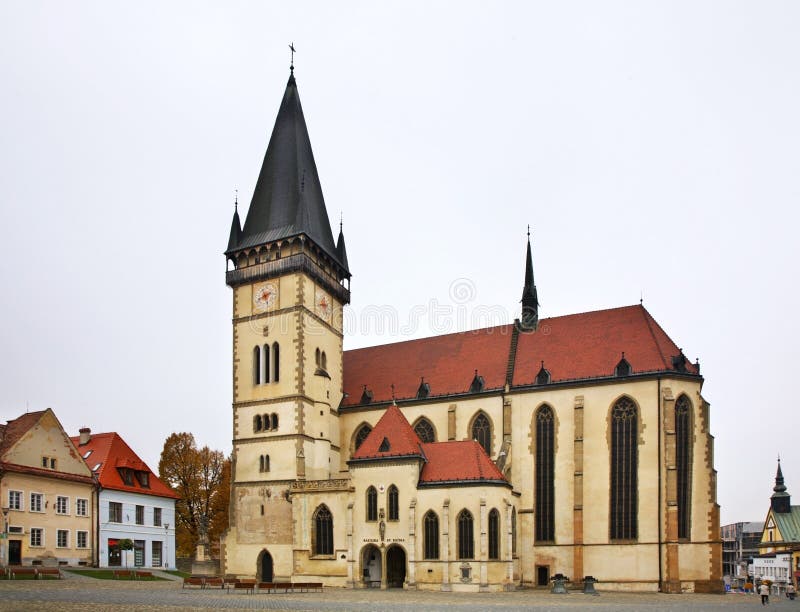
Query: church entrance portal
371,567
265,567
395,567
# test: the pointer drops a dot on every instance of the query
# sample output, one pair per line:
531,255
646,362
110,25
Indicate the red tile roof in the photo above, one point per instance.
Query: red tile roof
395,429
458,461
16,428
110,451
573,347
447,363
590,345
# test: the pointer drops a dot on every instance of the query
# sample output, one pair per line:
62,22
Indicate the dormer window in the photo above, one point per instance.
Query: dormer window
623,367
679,362
86,454
543,377
144,479
477,383
424,389
385,446
127,476
366,396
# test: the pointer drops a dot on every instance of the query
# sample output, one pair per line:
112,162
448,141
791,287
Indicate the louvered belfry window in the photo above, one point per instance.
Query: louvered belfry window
624,467
545,475
683,448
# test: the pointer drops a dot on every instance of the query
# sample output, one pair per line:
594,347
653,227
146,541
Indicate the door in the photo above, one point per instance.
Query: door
15,552
542,575
395,567
266,567
114,554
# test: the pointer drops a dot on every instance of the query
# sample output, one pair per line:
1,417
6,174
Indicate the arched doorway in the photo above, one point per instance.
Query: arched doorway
264,570
371,566
395,567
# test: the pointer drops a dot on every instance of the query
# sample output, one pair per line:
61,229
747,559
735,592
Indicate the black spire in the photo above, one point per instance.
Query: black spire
236,228
530,299
780,501
287,200
341,251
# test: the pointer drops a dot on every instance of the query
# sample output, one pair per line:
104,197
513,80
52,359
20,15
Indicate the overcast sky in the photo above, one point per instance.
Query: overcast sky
653,148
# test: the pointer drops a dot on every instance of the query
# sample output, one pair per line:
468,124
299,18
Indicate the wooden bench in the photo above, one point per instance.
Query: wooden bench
22,571
305,587
247,585
123,574
194,581
143,574
214,581
48,571
266,587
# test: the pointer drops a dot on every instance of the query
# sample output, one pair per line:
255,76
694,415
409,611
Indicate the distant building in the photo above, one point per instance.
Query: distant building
781,533
739,546
773,567
133,503
48,494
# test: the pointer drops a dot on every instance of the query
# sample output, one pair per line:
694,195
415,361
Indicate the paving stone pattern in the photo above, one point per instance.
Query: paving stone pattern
80,594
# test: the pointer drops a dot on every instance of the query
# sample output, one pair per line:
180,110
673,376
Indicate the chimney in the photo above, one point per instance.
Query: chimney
86,435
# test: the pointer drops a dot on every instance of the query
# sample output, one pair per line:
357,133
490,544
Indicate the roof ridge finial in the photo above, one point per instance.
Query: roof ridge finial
529,232
291,65
236,200
341,221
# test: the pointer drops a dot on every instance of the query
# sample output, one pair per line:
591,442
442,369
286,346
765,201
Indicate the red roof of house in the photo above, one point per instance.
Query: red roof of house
16,428
401,439
458,461
109,452
573,347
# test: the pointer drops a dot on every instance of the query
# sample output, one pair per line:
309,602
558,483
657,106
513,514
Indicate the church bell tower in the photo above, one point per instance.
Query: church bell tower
290,283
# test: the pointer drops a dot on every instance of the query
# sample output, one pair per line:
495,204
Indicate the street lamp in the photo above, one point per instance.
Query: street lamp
166,545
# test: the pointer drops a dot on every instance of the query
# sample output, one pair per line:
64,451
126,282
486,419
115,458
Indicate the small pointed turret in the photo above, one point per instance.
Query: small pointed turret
341,251
236,228
530,299
781,501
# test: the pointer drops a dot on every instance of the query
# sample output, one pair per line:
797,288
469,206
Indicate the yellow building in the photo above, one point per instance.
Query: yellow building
782,529
48,494
577,445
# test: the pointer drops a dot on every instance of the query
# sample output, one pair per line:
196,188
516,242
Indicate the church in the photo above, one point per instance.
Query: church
476,461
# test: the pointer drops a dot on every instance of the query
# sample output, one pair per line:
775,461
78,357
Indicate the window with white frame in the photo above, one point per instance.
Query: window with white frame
15,500
37,536
82,538
62,538
62,505
114,512
36,502
140,515
82,507
157,517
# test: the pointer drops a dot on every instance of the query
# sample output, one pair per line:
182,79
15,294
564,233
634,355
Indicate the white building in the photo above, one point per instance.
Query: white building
133,504
774,567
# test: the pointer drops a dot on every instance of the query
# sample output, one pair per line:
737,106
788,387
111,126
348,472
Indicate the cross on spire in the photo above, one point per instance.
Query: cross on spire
291,65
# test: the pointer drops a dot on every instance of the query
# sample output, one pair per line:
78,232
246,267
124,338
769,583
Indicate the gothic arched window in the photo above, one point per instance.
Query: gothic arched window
393,503
683,451
323,531
362,435
431,535
466,539
257,426
257,365
265,371
624,467
372,504
425,431
494,534
274,421
482,432
545,475
276,357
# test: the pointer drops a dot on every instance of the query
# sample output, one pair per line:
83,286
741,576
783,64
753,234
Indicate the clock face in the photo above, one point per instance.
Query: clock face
265,296
323,305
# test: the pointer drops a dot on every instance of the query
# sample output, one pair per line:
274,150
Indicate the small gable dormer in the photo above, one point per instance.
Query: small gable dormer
476,386
623,368
366,396
424,389
543,377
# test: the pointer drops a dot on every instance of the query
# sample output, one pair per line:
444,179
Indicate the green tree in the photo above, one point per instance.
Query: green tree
201,477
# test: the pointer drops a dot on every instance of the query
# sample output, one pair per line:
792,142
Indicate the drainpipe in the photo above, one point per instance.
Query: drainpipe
660,508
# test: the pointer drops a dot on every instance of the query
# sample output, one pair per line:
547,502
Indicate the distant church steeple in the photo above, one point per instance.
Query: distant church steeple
781,501
236,227
530,299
